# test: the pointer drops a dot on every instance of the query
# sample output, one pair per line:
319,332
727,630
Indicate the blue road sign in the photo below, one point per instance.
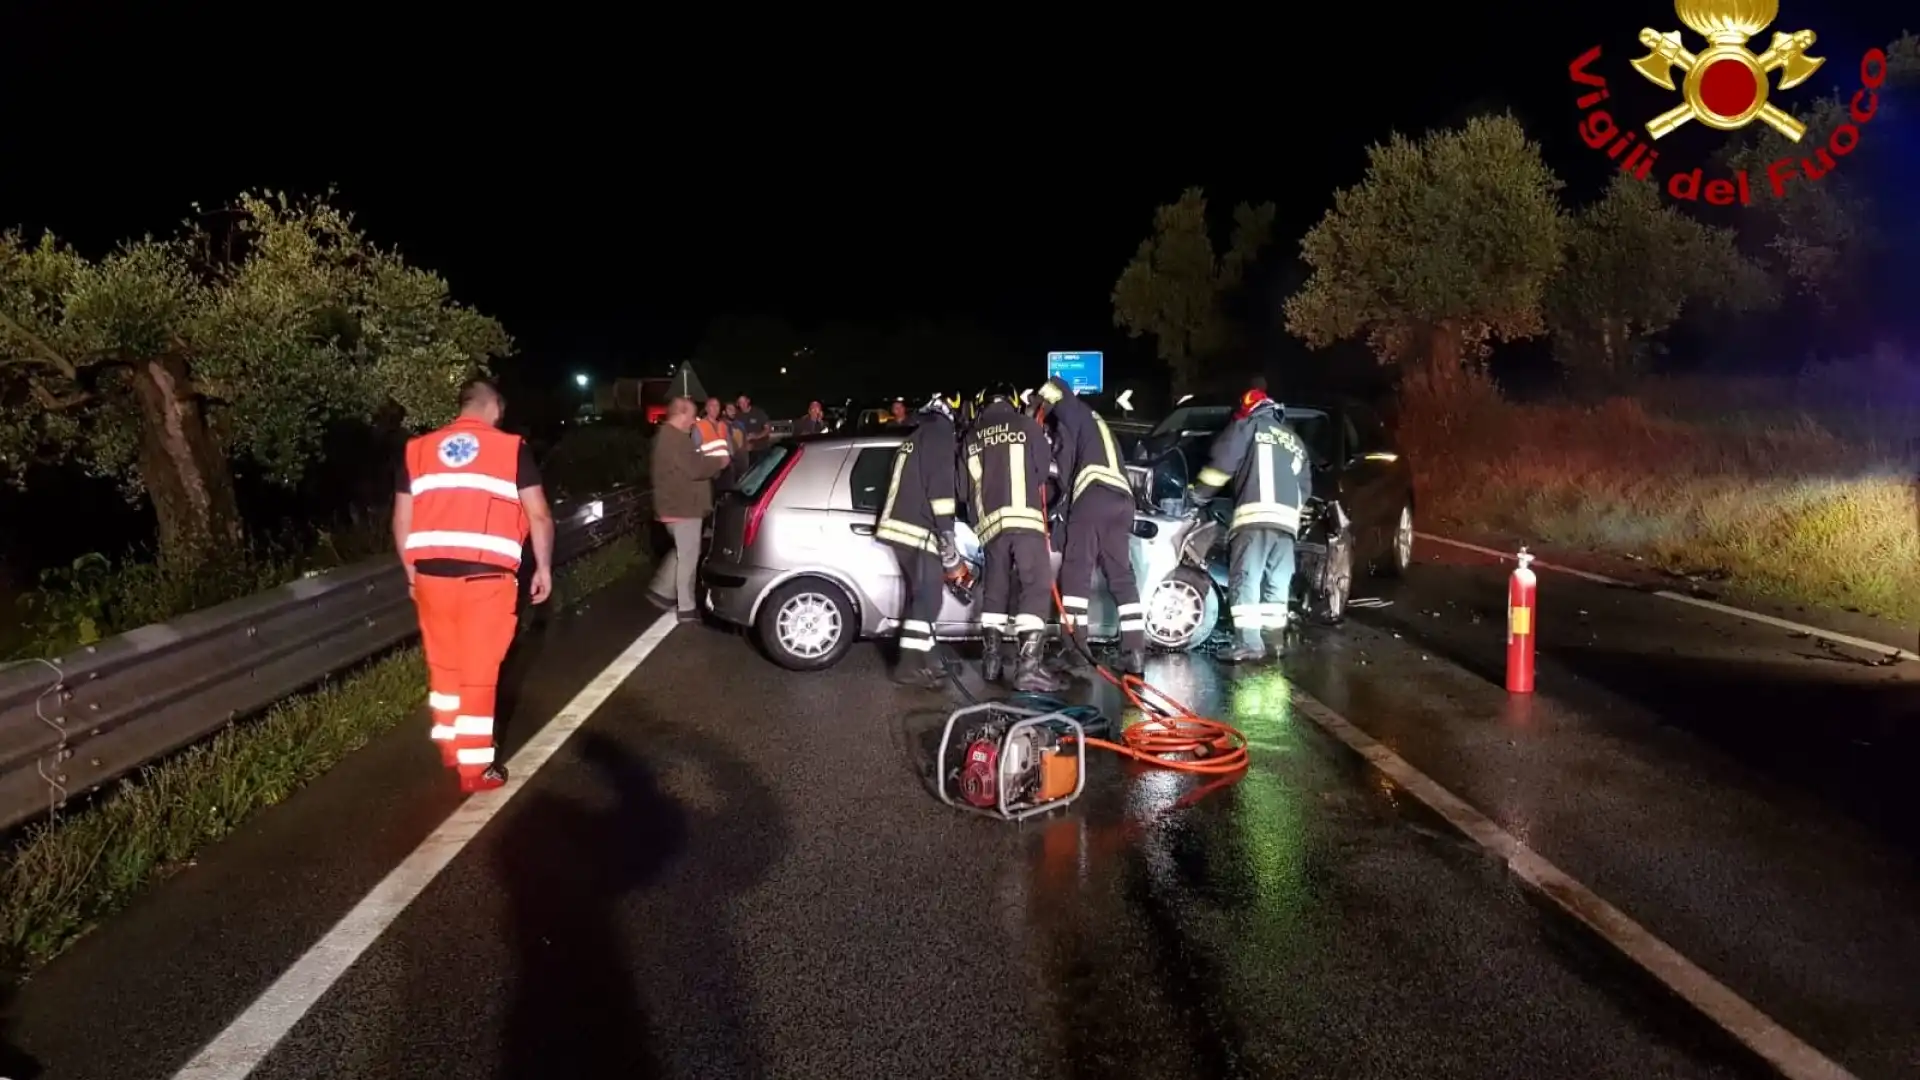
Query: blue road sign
1085,372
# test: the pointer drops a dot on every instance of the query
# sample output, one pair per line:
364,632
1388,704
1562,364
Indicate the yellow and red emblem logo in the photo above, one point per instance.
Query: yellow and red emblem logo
1725,86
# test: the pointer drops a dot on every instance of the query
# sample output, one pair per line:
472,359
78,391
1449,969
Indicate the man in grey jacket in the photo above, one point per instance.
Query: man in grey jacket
682,498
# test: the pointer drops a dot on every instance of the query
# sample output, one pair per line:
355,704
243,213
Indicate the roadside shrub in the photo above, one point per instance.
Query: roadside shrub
96,597
596,457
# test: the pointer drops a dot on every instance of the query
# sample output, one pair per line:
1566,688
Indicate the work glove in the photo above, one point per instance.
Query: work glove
949,553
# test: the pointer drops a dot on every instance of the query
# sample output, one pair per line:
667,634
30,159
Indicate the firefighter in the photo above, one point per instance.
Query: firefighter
1099,502
467,497
1260,455
1008,459
917,520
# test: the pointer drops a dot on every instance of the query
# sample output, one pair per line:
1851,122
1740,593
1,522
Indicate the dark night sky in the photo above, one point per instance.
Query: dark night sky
605,183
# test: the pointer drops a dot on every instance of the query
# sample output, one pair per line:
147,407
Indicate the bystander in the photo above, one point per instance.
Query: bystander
682,498
754,425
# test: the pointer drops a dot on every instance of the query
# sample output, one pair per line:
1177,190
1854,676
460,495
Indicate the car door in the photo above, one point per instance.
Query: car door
871,564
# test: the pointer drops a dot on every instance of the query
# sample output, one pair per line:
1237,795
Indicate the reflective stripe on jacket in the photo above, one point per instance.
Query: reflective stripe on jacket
1008,459
1267,466
920,494
1086,454
710,437
466,495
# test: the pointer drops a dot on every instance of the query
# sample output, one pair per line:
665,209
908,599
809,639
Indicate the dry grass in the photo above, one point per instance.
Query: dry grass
1774,489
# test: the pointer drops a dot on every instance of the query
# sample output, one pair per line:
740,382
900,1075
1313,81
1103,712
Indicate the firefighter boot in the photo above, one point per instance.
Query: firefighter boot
1246,649
917,669
1133,662
1030,674
992,656
1075,657
1281,638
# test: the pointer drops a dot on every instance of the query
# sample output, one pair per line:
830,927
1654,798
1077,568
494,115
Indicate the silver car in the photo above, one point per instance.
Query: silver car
793,559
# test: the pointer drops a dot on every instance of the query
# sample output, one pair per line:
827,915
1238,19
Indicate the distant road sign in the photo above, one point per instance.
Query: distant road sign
1125,400
1084,372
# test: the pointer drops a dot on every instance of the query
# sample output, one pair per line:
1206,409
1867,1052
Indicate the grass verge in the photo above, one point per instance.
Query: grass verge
62,877
1778,506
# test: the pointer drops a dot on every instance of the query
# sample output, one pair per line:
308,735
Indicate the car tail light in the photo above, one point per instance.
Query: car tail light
765,500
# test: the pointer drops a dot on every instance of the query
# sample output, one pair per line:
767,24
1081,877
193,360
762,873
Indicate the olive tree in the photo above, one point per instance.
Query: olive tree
1633,264
1175,287
242,338
1446,242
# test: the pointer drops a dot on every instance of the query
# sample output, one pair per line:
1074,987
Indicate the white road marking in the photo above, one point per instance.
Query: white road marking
1834,636
1758,1032
237,1051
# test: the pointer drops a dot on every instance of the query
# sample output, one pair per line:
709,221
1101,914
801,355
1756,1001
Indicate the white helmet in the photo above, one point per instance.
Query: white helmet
939,403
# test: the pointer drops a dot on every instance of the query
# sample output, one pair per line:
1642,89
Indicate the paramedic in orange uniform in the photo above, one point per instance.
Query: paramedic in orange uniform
466,498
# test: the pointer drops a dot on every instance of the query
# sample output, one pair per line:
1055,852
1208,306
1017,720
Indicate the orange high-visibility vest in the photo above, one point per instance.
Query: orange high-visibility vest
466,495
712,437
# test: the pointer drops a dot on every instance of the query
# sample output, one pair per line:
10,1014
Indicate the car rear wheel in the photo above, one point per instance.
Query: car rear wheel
1182,610
807,625
1399,554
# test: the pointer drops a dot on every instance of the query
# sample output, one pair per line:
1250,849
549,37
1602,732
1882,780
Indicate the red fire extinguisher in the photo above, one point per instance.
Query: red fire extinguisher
1520,625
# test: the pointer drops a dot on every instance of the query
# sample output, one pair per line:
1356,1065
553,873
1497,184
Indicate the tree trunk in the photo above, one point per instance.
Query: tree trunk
1183,370
1445,374
183,467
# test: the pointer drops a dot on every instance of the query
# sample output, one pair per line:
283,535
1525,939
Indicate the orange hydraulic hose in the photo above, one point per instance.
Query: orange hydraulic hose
1168,727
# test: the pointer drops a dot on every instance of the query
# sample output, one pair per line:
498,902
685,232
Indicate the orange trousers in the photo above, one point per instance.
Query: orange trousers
466,626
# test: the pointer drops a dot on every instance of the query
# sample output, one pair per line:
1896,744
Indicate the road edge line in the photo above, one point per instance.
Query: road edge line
1783,1051
245,1042
1835,636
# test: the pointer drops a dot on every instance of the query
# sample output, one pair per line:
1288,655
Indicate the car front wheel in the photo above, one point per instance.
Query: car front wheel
1400,546
1336,579
1182,610
807,625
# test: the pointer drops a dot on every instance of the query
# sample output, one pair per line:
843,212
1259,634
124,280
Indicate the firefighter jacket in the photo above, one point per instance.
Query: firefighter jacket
919,506
1084,453
466,496
1266,463
1008,459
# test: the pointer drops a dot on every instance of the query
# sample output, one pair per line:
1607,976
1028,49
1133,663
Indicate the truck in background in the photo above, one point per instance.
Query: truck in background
630,397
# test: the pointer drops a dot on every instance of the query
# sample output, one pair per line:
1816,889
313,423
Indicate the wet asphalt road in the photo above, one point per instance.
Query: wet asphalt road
736,871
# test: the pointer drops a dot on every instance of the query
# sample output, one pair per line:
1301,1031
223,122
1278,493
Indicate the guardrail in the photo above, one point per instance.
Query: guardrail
71,724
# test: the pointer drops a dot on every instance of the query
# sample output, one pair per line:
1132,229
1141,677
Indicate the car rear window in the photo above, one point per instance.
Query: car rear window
1316,430
756,479
867,480
1195,418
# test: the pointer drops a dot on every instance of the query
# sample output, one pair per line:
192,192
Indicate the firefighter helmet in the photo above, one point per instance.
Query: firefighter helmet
1250,401
947,405
1000,391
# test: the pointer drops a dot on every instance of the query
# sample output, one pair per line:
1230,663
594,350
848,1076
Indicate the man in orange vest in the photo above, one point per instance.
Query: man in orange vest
466,498
714,437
